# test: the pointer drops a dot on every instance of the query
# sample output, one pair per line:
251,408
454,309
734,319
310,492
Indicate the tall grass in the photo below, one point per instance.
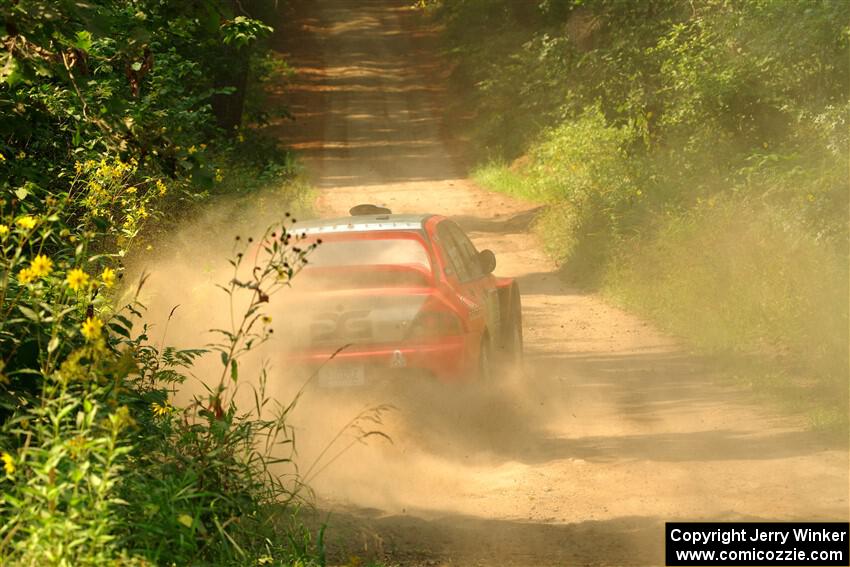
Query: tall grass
763,297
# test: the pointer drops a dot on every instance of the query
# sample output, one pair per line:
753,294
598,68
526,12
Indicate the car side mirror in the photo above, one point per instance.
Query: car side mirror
487,260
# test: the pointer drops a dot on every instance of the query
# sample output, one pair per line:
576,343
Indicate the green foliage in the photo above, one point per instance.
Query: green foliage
51,276
100,466
207,477
580,169
693,158
61,506
64,430
111,128
715,95
129,79
242,31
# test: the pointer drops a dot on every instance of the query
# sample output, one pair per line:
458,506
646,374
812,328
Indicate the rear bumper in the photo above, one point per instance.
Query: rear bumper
446,359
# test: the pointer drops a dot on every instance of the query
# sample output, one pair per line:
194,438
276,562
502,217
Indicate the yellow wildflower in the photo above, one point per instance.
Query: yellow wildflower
22,155
91,328
2,158
26,276
8,463
108,277
26,222
810,197
160,186
219,176
203,146
77,279
41,266
161,409
266,319
192,149
4,230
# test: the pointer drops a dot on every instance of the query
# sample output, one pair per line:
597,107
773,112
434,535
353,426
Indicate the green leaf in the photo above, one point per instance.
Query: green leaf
234,371
10,71
116,328
83,40
29,313
127,323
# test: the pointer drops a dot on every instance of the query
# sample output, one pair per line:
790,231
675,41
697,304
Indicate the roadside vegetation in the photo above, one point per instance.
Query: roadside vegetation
118,120
693,159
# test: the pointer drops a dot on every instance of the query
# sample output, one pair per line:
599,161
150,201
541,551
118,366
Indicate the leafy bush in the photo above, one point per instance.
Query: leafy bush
692,157
203,485
99,465
62,504
581,170
715,97
118,117
144,81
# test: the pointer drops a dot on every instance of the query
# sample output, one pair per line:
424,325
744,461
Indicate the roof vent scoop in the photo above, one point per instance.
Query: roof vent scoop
368,210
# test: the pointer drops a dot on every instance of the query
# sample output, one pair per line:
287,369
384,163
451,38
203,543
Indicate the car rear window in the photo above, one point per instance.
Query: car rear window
360,252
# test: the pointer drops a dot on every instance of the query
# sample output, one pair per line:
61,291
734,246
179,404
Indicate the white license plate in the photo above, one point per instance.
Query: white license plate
342,376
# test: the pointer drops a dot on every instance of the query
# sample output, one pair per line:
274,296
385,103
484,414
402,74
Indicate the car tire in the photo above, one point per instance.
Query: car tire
511,351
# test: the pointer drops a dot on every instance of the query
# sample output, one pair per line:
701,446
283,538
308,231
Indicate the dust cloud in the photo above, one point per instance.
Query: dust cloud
394,445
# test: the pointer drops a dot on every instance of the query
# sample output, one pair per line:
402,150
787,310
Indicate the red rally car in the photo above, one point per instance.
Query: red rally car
401,293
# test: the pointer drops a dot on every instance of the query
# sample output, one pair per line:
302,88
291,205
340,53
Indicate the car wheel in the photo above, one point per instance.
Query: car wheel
511,362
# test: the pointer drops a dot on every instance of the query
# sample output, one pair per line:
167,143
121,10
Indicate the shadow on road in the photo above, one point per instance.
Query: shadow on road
381,120
464,540
513,421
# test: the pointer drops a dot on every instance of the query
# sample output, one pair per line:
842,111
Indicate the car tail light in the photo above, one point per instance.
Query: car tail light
434,323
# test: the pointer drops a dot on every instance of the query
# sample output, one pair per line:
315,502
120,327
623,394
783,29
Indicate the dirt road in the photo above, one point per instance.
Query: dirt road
614,430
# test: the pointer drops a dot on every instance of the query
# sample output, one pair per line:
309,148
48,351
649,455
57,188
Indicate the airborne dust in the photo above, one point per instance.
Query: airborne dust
391,446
